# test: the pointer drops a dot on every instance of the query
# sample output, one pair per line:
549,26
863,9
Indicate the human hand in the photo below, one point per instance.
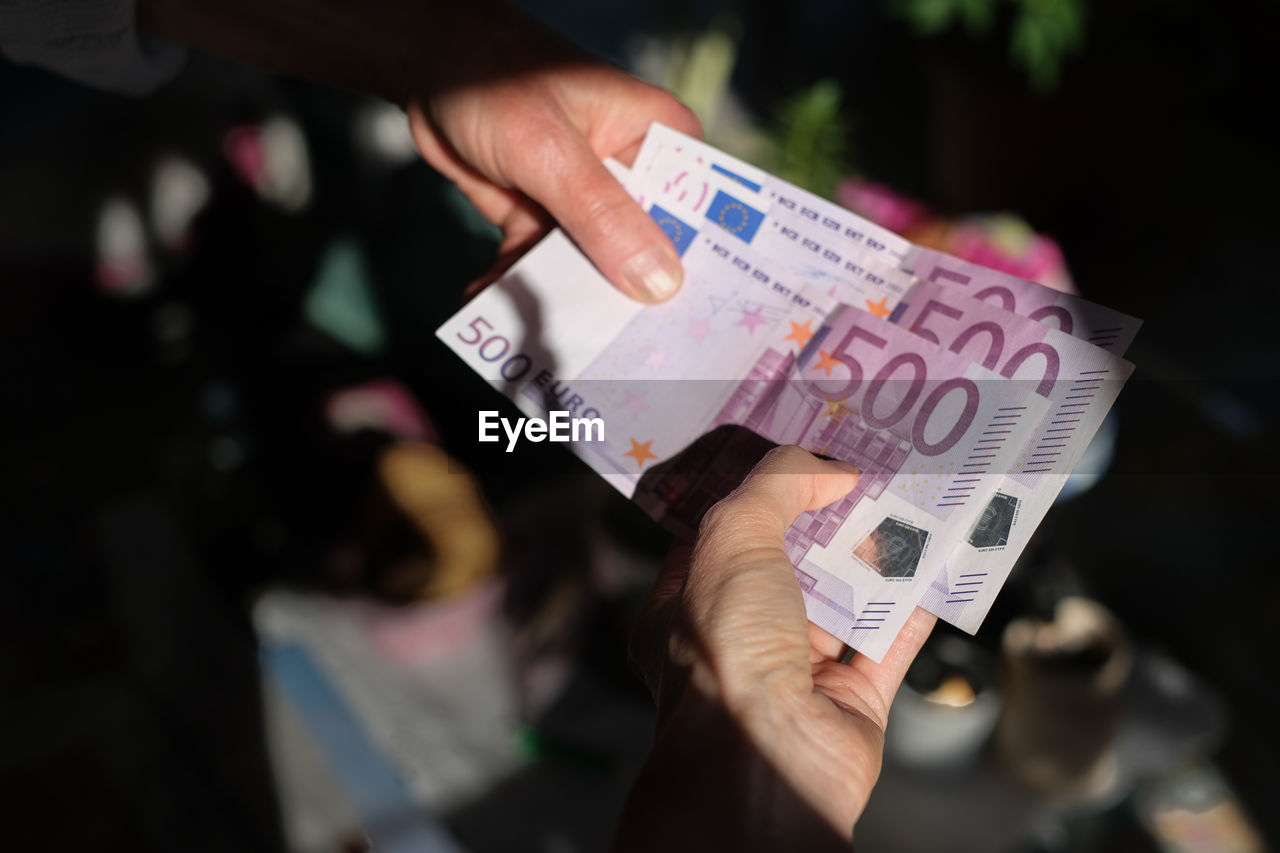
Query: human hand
520,121
726,625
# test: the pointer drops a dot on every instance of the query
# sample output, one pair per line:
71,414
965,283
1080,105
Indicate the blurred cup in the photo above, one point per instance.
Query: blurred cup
1063,688
946,709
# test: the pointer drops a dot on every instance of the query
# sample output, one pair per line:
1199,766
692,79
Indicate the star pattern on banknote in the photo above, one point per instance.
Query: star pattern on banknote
733,217
836,409
699,329
826,361
800,333
672,227
635,403
657,359
641,452
752,317
881,308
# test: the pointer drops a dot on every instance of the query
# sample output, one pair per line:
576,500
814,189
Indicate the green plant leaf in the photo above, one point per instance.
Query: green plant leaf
809,142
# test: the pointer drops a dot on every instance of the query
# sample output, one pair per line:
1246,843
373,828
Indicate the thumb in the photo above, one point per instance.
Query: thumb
788,481
608,225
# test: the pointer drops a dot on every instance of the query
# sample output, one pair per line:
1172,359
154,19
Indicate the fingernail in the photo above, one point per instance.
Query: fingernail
654,274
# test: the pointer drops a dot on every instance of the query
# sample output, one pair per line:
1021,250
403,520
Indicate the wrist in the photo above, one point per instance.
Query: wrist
805,737
788,748
709,783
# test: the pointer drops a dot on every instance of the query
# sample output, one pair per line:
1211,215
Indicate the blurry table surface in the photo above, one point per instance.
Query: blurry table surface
1169,716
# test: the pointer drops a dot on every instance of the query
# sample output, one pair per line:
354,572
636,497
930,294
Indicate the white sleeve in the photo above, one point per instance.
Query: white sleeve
95,42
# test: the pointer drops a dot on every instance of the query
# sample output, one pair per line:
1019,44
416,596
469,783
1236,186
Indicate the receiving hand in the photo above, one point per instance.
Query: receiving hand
728,627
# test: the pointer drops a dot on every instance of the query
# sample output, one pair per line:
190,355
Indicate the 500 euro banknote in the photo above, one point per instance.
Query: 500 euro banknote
821,244
745,345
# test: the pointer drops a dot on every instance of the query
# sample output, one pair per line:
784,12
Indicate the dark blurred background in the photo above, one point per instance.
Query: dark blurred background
217,314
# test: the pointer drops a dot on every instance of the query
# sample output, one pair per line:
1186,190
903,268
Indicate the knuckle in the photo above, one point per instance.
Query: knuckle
729,519
534,145
788,455
687,118
714,520
783,459
603,215
669,109
532,140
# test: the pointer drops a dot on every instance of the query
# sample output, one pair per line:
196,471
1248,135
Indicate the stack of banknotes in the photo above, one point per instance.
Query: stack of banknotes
964,395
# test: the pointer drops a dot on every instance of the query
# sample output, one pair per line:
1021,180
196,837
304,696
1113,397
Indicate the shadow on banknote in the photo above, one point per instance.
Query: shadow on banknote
532,343
678,492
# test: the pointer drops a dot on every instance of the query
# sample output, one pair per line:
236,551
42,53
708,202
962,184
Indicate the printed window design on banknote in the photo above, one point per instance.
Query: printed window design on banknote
992,529
893,549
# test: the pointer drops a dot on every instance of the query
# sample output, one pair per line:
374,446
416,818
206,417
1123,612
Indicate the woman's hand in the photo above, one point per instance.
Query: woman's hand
725,629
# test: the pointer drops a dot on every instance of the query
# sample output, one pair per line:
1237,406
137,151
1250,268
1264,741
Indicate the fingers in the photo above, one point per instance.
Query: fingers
824,645
865,688
878,682
787,482
523,226
627,112
679,117
495,203
560,170
887,675
548,148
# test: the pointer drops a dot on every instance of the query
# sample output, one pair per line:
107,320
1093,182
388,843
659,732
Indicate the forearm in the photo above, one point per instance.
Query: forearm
709,784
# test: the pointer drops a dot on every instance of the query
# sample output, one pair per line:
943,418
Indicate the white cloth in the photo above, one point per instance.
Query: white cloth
95,42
